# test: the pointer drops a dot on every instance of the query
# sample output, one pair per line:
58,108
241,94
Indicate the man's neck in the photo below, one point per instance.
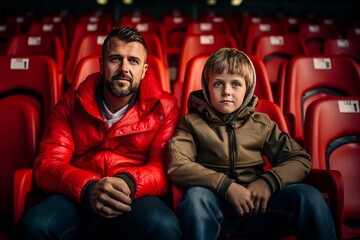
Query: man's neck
115,103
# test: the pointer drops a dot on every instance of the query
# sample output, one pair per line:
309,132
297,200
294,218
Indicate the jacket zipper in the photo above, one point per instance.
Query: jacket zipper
232,150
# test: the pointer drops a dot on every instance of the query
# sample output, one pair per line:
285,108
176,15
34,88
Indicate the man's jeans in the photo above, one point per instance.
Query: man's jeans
58,217
297,209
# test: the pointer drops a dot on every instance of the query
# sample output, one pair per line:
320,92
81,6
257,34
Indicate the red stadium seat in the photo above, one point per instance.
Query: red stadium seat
175,24
81,30
345,47
314,36
332,137
309,78
19,137
255,30
273,50
36,78
44,45
207,28
52,28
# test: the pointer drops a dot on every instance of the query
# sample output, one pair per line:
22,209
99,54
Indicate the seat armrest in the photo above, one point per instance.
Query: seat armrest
330,184
23,185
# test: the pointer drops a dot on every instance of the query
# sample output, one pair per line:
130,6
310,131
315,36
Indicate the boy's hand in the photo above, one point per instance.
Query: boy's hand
260,193
110,197
240,199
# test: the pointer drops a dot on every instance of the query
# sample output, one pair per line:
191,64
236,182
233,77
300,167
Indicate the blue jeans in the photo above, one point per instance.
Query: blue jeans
297,209
58,217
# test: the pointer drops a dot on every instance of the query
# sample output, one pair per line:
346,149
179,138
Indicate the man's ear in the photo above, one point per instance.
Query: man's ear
101,64
144,70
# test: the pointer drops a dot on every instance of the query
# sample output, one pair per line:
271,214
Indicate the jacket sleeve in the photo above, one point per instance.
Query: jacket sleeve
53,172
150,179
291,163
183,169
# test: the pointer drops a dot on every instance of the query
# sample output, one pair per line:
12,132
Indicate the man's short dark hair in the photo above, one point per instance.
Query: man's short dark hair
126,34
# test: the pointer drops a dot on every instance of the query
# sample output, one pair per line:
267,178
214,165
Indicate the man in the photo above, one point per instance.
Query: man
102,154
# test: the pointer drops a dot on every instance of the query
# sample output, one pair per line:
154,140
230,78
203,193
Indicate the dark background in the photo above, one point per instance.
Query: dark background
326,8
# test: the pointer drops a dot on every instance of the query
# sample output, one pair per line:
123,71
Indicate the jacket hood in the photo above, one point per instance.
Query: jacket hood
248,99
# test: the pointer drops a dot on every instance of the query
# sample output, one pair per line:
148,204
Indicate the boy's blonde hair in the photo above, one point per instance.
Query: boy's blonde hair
232,61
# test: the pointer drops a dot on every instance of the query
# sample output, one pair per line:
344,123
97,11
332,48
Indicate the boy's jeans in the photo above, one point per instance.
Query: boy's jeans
297,209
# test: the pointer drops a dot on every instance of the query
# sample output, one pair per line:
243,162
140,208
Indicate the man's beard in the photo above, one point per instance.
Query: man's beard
121,92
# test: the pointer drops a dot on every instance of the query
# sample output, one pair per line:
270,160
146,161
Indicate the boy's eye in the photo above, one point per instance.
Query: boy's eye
218,84
236,84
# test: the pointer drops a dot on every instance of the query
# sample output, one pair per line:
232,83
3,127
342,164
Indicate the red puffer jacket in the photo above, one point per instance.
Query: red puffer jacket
78,146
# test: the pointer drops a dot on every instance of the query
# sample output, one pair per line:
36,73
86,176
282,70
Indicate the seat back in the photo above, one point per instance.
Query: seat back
45,45
275,49
309,78
255,30
194,45
90,44
82,29
51,28
175,25
332,137
193,74
314,36
19,137
345,47
207,28
34,77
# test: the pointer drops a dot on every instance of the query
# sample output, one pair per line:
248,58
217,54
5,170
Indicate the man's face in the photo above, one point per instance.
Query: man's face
123,66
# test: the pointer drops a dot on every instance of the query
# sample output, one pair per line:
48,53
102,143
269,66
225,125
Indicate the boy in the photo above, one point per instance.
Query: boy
217,156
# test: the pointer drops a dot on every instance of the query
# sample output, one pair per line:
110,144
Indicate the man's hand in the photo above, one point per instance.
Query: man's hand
260,193
240,199
110,197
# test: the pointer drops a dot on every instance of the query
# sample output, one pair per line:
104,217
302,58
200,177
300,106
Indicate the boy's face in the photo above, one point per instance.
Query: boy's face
227,92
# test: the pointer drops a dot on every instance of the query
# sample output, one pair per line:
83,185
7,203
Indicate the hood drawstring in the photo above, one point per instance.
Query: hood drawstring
229,126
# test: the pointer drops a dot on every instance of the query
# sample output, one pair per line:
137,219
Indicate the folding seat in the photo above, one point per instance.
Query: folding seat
19,137
309,78
255,30
90,44
35,78
340,46
193,74
314,36
43,45
175,25
332,137
67,18
194,45
328,182
54,28
155,47
80,31
353,32
134,17
207,28
273,50
91,64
